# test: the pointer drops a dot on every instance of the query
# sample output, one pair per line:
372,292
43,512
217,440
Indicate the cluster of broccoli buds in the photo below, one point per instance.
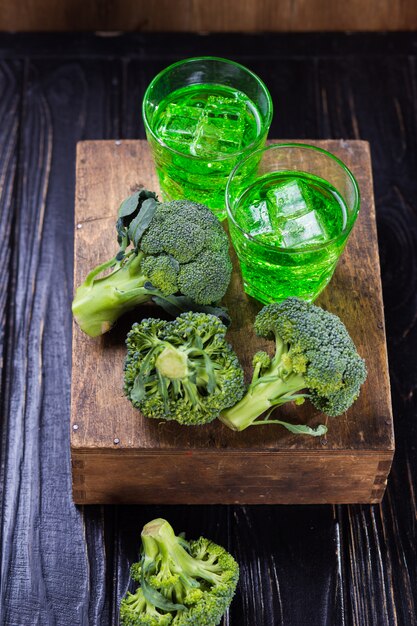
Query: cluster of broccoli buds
182,370
181,583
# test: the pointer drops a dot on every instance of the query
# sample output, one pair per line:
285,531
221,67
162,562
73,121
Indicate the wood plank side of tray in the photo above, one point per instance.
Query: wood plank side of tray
119,456
229,478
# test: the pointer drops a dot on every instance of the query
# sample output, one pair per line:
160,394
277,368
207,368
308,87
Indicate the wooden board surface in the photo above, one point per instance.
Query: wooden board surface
104,419
201,16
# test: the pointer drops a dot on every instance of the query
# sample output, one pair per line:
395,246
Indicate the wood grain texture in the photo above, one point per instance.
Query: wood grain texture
318,565
10,86
10,100
55,105
386,531
229,477
216,16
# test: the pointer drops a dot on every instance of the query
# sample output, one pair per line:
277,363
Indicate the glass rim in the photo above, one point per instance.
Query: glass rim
225,157
293,249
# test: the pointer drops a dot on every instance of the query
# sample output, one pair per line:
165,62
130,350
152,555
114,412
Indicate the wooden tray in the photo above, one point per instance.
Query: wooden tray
119,456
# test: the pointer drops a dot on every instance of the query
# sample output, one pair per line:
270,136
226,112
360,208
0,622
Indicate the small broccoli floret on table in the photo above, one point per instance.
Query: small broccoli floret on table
314,357
182,370
182,583
173,253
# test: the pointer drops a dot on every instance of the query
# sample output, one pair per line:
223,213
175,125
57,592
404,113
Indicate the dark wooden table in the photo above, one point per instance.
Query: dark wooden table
301,566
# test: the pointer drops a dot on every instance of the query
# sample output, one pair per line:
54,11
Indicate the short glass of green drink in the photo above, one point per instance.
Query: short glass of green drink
202,116
290,210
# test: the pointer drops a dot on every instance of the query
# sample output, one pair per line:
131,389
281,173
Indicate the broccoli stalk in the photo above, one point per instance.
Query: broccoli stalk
275,387
182,370
159,540
173,253
313,353
99,301
181,582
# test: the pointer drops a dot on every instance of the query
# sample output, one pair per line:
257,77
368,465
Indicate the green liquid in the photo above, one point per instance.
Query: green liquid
208,126
292,220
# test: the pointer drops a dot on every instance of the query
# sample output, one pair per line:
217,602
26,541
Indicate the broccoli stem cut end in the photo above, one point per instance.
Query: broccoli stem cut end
153,528
159,535
172,363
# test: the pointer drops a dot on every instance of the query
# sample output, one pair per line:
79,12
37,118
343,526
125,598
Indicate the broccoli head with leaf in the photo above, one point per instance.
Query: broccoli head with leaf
173,253
315,358
182,370
181,583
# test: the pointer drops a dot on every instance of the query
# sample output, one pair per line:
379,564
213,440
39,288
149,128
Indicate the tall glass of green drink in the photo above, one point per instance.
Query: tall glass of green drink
290,210
201,117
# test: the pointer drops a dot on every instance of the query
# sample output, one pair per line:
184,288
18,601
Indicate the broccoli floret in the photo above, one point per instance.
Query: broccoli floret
314,352
135,610
162,271
173,253
182,583
182,370
199,279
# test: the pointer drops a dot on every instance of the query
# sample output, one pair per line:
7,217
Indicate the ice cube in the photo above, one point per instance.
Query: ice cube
231,109
303,230
221,127
286,200
254,220
180,125
259,223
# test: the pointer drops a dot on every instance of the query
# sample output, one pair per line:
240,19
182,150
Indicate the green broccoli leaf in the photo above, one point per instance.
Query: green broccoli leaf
130,218
129,206
142,220
297,429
